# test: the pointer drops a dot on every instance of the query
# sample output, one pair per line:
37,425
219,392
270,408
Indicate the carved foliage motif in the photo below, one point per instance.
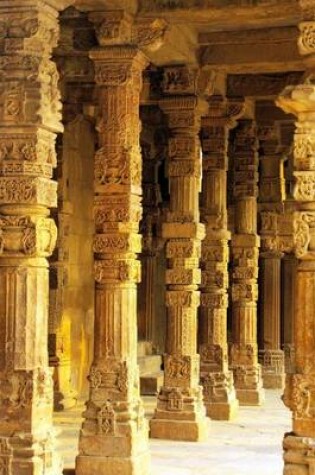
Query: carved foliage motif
307,38
179,80
111,380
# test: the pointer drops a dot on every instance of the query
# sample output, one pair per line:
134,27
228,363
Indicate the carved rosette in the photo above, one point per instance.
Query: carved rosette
216,378
30,113
183,233
245,251
114,409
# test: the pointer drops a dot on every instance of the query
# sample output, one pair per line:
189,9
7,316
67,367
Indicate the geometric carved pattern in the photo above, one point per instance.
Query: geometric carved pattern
29,121
217,380
183,232
114,409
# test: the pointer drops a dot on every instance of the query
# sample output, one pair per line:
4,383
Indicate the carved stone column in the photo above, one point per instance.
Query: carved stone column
245,251
77,85
114,435
288,305
218,388
180,413
151,317
271,196
299,393
271,357
29,120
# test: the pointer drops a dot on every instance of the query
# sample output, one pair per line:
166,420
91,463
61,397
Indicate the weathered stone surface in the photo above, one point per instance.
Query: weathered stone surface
29,121
114,433
180,413
217,380
245,249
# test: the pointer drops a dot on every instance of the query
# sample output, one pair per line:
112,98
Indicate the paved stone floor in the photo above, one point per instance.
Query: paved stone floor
250,444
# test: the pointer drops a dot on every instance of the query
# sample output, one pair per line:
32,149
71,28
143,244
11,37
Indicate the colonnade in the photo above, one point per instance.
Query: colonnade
208,136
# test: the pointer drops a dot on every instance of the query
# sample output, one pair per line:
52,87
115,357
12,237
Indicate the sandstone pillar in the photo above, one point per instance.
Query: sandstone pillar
151,302
180,412
288,305
299,393
271,197
245,250
76,84
216,378
29,120
114,434
272,357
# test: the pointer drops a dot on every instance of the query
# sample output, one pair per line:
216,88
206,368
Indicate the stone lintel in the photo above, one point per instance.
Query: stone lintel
260,85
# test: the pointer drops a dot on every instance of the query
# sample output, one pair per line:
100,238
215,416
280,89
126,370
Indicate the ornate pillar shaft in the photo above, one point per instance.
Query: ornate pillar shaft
29,120
288,305
272,357
180,413
299,393
151,325
245,250
219,394
76,85
271,195
114,432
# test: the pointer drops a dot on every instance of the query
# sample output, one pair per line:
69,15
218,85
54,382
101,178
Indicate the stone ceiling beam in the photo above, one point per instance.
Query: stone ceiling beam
263,50
260,85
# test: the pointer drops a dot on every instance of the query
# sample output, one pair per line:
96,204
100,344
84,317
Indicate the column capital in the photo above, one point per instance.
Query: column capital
116,65
186,80
118,27
299,100
224,112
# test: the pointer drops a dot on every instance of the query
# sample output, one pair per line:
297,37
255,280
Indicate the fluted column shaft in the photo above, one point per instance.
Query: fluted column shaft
245,251
114,433
180,412
29,120
217,380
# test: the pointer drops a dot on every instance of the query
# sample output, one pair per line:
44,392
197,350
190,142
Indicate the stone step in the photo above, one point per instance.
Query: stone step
149,364
150,384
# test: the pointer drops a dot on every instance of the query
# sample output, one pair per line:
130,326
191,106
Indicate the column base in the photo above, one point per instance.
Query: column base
222,411
250,397
22,455
180,415
248,385
64,401
273,381
272,364
90,465
219,394
299,456
172,429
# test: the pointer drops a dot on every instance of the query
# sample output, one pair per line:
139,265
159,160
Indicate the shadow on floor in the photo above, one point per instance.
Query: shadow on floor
69,471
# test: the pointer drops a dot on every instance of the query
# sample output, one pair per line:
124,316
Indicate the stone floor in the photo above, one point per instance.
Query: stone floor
252,443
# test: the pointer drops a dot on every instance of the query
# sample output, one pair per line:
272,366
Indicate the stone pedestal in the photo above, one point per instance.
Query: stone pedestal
29,120
245,251
271,357
114,434
180,413
216,378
